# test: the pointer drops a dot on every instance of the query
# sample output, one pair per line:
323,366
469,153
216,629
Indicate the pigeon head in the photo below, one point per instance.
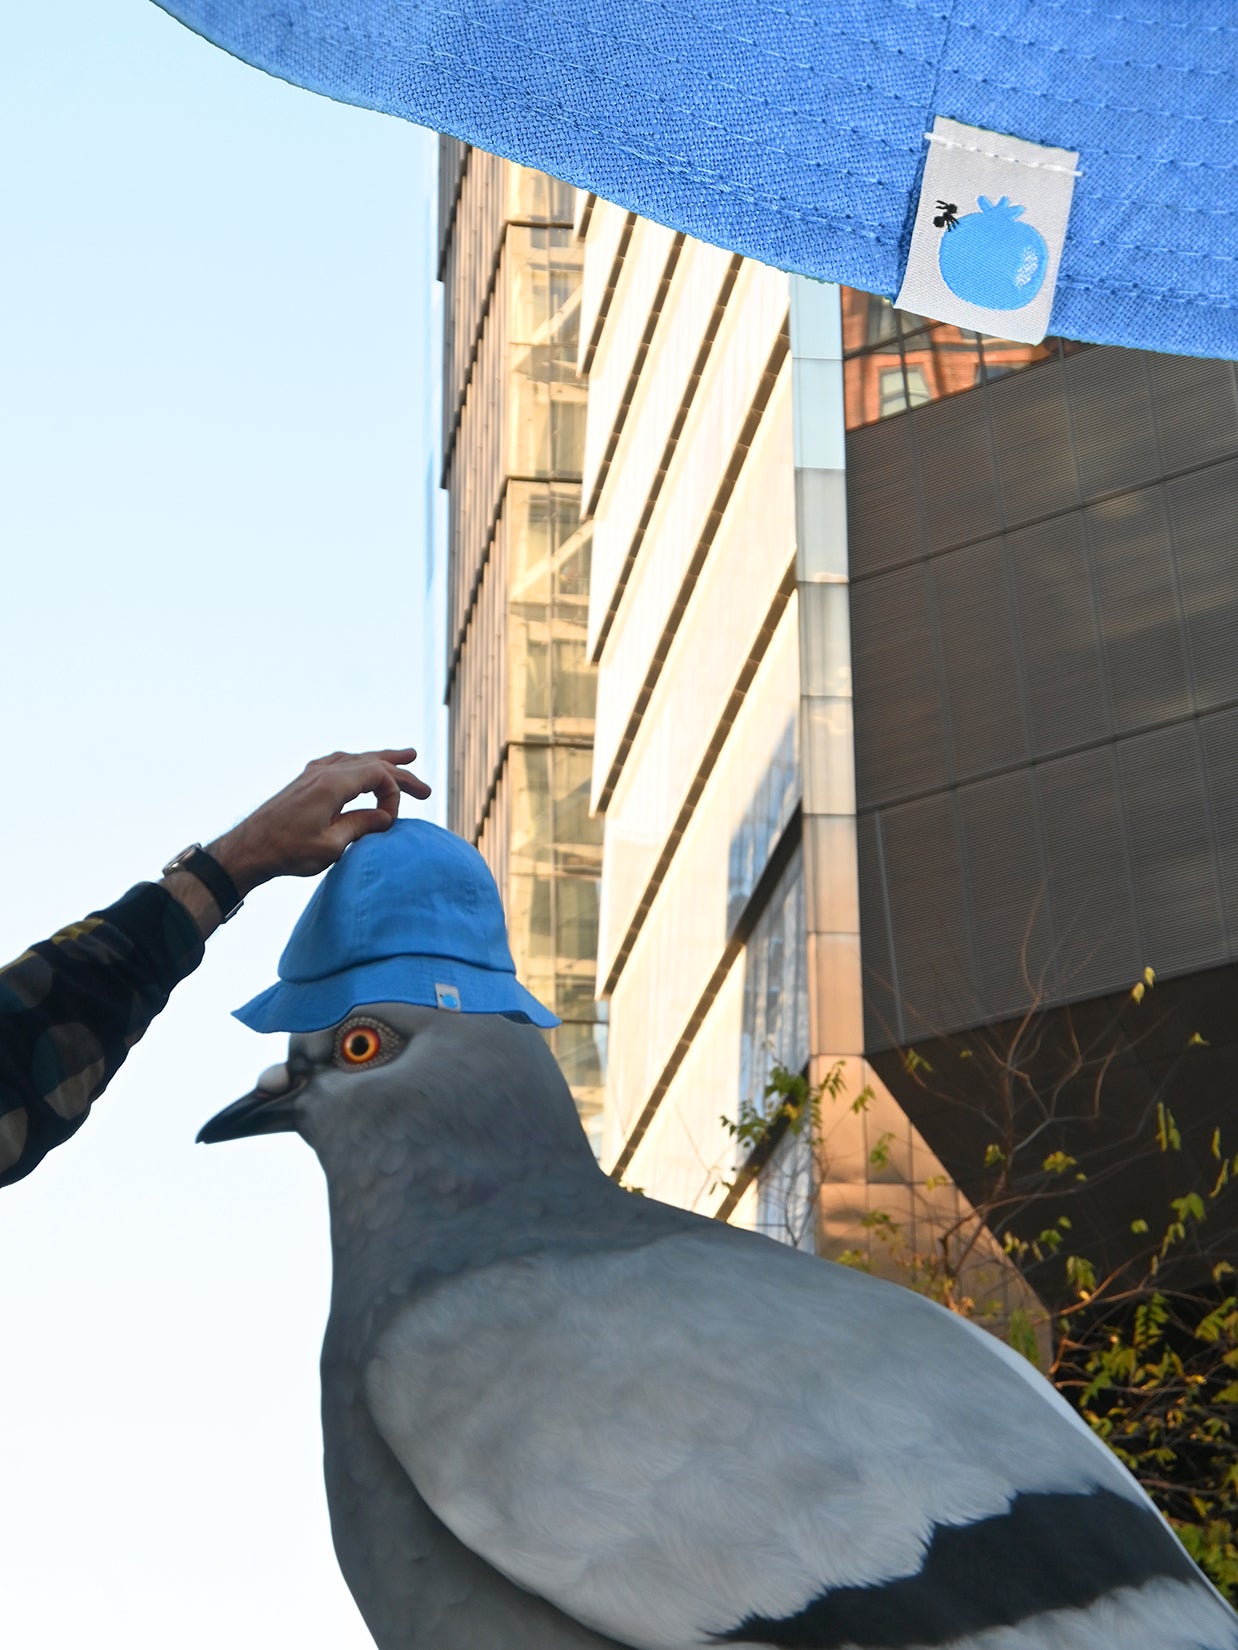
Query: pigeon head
410,1088
413,1042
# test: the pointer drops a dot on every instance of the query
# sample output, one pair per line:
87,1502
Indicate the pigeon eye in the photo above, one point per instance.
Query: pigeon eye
360,1045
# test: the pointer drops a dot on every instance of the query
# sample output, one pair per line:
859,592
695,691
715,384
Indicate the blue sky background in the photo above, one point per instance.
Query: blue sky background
217,381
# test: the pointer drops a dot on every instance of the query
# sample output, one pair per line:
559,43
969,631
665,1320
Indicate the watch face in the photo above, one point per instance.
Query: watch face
177,862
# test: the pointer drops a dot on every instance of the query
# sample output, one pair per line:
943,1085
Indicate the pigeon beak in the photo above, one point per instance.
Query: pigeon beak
269,1108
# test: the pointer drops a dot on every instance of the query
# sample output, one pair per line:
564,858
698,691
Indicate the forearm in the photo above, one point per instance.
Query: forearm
72,1007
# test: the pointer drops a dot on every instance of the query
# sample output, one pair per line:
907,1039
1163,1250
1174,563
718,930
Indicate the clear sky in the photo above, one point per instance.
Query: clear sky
216,385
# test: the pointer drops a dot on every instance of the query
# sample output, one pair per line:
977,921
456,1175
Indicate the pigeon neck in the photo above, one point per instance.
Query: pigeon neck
418,1214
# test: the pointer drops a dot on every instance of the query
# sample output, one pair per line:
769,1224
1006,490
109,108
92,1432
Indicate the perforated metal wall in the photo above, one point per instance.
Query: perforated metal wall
1045,646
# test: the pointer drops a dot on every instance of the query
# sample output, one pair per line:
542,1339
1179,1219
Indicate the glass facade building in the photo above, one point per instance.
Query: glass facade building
833,674
520,689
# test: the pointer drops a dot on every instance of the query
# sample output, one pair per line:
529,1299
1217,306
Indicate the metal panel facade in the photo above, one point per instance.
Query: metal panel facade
1044,616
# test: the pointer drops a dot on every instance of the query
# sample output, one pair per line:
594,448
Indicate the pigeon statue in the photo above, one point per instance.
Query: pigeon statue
558,1416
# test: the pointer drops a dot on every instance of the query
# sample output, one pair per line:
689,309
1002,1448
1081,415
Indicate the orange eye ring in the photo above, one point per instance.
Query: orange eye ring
359,1045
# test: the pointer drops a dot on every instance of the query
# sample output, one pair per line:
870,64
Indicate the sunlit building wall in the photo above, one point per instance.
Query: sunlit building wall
714,477
687,483
520,689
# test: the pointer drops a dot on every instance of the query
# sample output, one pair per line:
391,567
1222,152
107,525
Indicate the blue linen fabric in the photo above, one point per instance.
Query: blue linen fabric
406,915
793,130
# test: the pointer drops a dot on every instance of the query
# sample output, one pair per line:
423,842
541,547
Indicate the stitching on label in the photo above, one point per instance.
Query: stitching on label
993,154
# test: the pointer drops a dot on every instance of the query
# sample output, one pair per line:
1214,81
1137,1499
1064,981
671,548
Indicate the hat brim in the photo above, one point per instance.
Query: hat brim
428,982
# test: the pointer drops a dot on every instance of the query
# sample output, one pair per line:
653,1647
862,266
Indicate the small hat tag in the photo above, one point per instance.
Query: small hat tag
987,242
447,996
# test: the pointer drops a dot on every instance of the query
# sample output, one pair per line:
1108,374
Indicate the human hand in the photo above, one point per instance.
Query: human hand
302,829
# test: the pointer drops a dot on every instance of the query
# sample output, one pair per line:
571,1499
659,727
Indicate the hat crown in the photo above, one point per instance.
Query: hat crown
414,890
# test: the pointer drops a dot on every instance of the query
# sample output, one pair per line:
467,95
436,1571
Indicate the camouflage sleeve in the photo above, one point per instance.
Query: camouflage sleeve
73,1006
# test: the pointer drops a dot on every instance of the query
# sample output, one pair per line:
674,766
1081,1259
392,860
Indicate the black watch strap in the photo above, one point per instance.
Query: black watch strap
211,874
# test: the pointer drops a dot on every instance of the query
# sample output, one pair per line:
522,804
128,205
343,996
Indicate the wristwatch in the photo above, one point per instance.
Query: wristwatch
211,874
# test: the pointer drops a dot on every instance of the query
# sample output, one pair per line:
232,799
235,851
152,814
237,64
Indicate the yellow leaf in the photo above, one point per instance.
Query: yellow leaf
1137,991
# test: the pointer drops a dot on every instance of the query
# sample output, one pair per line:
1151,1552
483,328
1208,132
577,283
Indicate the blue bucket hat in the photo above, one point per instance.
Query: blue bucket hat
799,134
407,915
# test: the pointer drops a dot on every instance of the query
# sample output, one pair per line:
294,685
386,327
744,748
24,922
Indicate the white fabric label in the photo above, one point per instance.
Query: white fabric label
989,229
447,996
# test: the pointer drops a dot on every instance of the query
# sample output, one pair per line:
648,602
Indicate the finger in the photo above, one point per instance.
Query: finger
387,791
406,753
386,781
360,822
361,774
411,785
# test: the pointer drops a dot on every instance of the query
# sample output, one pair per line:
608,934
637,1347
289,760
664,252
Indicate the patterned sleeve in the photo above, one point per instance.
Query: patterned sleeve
73,1006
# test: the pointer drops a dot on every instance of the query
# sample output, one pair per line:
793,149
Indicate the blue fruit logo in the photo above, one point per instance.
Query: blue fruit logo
989,257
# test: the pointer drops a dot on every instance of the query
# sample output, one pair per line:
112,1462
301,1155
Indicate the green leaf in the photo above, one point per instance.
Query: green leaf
1167,1136
1150,1318
879,1157
993,1155
834,1081
1082,1274
1139,1227
1058,1163
1188,1207
1211,1327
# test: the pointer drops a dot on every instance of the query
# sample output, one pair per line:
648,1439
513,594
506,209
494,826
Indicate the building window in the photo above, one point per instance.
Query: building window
894,361
774,1032
785,1192
891,391
774,1029
765,818
918,391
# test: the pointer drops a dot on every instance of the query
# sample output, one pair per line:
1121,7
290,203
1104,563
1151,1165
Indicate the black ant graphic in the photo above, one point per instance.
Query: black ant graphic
949,216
